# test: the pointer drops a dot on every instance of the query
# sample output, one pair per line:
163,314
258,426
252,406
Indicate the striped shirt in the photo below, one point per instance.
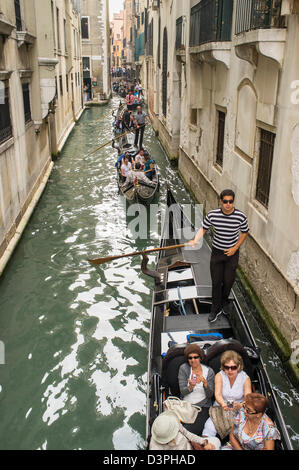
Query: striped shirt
226,227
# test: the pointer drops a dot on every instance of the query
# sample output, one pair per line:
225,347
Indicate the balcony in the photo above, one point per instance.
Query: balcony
211,30
259,28
5,27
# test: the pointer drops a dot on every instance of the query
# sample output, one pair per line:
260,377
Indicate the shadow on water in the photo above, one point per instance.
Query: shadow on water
75,335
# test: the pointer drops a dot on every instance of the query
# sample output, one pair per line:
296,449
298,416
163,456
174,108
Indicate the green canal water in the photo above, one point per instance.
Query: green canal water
75,335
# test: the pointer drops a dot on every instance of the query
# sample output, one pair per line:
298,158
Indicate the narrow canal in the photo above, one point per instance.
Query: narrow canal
76,336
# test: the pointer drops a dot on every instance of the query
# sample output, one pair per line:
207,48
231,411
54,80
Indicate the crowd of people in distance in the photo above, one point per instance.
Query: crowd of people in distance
237,417
132,92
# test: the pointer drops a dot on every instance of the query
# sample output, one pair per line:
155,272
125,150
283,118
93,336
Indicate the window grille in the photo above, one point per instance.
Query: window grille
265,167
18,15
164,73
220,138
26,99
84,28
5,122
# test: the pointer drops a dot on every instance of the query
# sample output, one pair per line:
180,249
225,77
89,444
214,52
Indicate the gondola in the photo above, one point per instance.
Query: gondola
180,310
137,192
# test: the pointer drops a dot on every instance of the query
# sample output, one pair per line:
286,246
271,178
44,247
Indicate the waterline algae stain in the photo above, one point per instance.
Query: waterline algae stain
76,335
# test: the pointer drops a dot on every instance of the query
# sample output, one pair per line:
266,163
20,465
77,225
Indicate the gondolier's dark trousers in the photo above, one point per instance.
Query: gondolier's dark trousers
141,131
223,273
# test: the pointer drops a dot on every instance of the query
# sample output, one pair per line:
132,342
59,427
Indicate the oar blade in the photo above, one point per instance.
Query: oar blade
102,260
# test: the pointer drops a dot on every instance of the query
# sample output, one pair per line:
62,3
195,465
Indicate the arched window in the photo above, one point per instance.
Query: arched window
164,73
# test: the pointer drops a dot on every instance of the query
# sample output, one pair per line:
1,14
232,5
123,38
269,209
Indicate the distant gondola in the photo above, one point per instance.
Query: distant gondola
137,191
181,306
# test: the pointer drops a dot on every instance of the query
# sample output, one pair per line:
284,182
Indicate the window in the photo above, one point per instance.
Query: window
58,30
67,83
65,38
220,138
86,67
18,15
60,85
26,100
193,117
53,24
85,27
164,73
5,122
265,167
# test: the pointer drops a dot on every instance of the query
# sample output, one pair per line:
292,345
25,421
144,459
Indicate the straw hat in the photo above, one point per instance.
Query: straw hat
166,427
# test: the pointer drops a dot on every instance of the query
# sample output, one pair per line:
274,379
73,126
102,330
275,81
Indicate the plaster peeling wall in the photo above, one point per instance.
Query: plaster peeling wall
293,268
295,163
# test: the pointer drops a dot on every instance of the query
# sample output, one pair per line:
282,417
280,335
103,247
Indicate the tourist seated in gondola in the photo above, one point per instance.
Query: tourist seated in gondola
126,167
196,381
232,384
138,175
132,125
139,158
148,166
120,158
252,429
136,98
169,434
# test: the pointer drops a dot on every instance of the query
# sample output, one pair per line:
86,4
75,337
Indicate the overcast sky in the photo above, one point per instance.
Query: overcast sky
115,6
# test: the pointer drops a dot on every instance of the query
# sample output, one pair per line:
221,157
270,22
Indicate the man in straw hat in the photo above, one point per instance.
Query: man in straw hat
169,434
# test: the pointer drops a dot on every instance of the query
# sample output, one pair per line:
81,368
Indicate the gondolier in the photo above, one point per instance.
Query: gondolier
141,118
230,231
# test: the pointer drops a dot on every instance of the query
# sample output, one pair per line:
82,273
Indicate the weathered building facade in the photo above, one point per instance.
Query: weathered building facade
117,40
40,99
96,52
223,94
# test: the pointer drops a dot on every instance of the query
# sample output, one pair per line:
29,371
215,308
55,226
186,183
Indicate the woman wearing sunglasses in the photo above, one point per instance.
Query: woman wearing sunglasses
232,384
196,381
252,428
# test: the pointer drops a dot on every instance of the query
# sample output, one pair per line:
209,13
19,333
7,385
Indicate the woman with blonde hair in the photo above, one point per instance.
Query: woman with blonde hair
232,384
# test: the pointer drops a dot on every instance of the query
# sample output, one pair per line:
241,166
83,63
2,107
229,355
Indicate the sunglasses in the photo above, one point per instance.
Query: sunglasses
230,367
250,412
228,201
193,357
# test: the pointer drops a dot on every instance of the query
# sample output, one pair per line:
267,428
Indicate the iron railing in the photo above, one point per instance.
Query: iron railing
258,14
211,20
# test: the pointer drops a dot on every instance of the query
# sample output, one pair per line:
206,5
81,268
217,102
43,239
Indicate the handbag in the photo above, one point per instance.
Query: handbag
185,411
222,419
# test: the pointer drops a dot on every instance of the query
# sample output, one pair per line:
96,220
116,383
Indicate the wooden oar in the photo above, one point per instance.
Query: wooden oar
109,142
111,258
